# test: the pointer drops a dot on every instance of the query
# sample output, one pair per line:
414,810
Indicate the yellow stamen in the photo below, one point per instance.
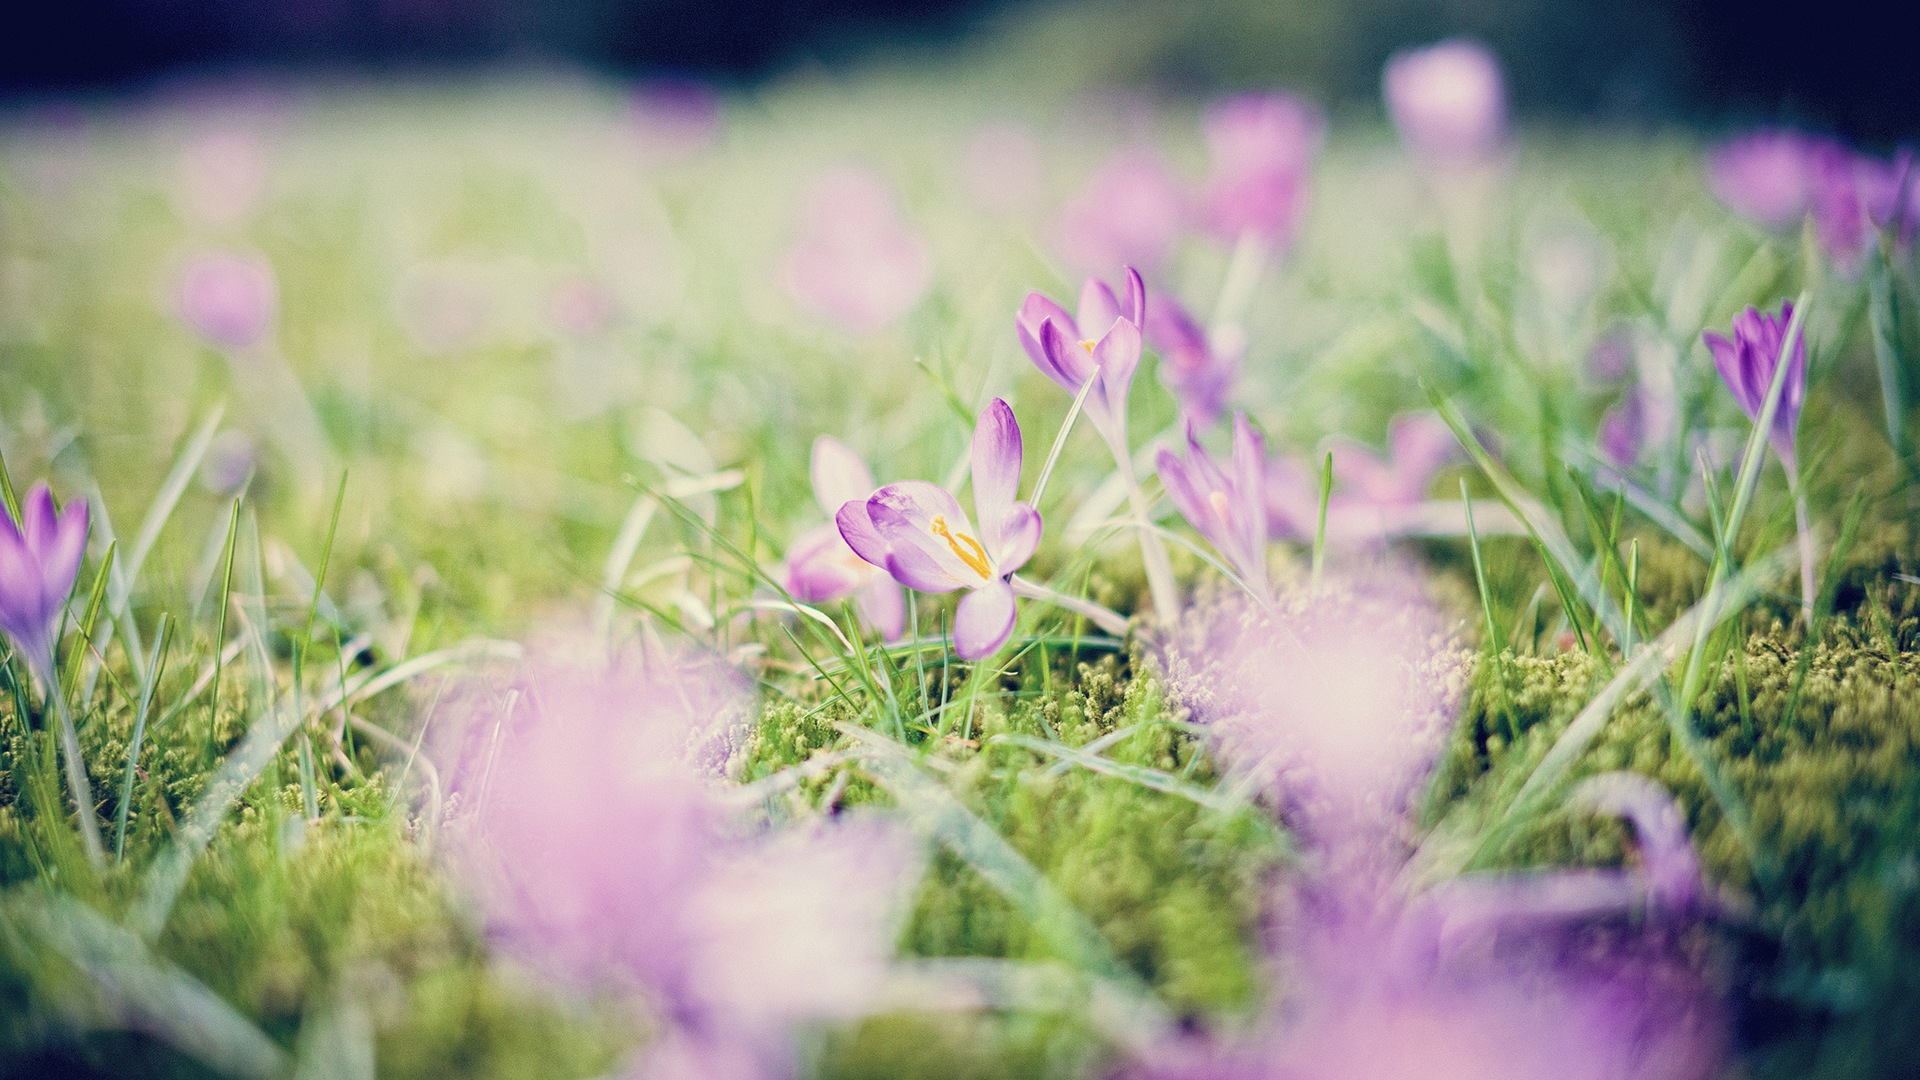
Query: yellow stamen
1088,345
1219,501
972,553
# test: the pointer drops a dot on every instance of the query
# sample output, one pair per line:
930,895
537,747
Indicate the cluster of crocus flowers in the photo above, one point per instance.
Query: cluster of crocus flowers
918,533
596,828
858,262
1448,101
1096,351
1335,705
1777,177
821,567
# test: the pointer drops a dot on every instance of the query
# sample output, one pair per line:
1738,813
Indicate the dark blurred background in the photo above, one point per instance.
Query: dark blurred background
1847,65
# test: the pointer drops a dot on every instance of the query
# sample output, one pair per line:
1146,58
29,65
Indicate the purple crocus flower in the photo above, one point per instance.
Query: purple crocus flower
919,534
1418,444
597,832
1747,363
1103,341
821,567
1448,100
1764,175
1199,374
39,560
1263,146
857,263
228,298
1130,213
1228,510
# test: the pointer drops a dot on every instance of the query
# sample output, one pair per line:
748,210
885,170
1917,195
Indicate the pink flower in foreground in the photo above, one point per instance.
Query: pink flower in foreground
1129,213
39,560
1102,341
594,827
1263,146
1448,100
1336,703
821,568
1339,703
1229,510
1200,374
228,298
857,262
919,534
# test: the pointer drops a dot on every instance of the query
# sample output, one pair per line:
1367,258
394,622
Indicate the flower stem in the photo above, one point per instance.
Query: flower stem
1105,618
1806,547
1166,596
77,786
1243,273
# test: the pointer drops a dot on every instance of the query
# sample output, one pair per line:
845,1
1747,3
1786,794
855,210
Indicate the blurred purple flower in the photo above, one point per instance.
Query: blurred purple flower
1338,703
1764,175
1229,511
1293,500
1418,444
919,534
821,567
1623,430
39,560
1448,100
596,831
1129,213
1335,702
223,175
1747,363
1103,341
580,307
228,298
857,262
1263,145
1002,168
675,119
1200,375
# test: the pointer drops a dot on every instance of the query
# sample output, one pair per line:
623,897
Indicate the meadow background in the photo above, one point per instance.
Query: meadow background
380,388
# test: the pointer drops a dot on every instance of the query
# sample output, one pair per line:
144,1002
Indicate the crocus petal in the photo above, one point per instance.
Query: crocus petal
1018,540
1183,488
1098,308
996,469
839,476
1118,354
60,559
983,621
1249,484
1726,358
38,519
1421,443
884,607
1034,312
1136,307
818,568
856,528
1065,362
